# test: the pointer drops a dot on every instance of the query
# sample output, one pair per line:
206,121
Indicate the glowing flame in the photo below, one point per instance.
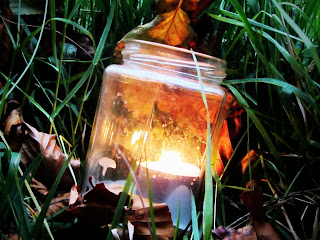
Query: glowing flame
170,158
171,162
136,136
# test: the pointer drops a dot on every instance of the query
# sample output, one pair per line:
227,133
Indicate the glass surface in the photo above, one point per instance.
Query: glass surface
151,109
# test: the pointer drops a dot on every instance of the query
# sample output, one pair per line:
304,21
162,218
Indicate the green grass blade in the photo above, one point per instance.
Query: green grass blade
236,17
208,196
309,45
257,123
18,204
194,219
76,25
104,36
175,236
120,206
38,224
33,54
293,182
83,79
153,224
279,83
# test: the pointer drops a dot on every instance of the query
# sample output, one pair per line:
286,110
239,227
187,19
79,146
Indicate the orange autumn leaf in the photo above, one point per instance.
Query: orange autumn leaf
173,28
252,156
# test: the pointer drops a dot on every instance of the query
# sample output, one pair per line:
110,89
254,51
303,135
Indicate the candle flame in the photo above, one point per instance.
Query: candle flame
171,158
136,136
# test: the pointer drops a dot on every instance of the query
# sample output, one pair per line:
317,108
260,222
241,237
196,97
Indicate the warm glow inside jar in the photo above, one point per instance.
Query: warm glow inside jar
151,108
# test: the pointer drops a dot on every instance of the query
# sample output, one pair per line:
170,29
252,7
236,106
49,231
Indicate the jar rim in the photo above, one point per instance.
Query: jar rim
184,50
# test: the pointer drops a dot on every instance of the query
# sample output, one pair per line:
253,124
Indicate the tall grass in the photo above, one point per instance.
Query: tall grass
271,47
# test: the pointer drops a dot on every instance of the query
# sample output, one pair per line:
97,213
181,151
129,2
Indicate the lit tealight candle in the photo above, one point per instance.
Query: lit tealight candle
170,162
171,181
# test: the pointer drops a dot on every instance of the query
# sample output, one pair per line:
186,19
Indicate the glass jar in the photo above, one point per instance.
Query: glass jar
151,109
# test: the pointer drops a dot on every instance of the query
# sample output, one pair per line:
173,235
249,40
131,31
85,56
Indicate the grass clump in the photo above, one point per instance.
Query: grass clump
55,66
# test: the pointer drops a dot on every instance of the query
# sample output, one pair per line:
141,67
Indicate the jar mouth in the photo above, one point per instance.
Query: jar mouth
176,49
174,59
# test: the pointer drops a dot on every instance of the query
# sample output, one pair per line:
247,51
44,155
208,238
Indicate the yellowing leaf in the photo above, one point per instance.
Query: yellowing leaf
173,28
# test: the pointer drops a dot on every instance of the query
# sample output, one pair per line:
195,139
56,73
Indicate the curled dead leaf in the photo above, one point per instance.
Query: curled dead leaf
162,218
34,143
252,156
12,122
97,205
59,203
254,202
39,187
74,195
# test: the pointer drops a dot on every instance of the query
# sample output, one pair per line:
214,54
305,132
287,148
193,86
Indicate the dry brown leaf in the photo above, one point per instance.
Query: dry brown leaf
26,140
13,120
14,237
36,142
162,217
58,203
202,5
74,195
97,205
254,202
39,187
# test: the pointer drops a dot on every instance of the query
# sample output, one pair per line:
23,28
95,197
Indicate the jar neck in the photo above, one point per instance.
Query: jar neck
150,54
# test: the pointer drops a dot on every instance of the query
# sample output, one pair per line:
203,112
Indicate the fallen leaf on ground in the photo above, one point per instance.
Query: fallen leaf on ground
26,140
12,122
58,203
35,142
252,155
96,206
254,202
14,237
162,218
39,187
